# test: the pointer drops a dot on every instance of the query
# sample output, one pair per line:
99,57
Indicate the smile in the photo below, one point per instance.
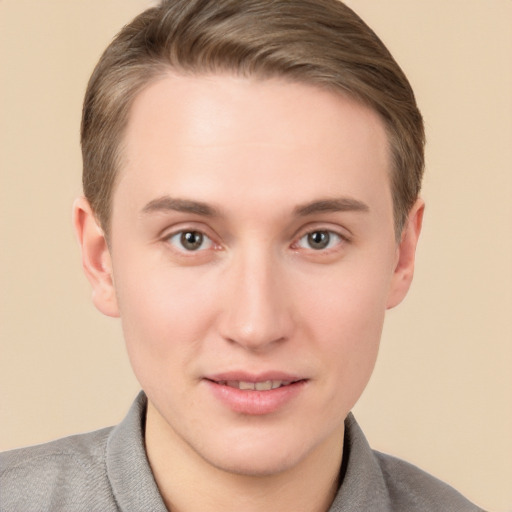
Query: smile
252,395
266,385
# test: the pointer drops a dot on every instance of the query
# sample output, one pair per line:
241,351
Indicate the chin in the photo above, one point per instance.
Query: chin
255,465
259,456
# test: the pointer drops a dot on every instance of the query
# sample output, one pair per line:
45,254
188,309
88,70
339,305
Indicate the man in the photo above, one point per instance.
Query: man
251,178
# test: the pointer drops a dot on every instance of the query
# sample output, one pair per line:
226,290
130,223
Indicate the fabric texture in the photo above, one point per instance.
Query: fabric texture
108,471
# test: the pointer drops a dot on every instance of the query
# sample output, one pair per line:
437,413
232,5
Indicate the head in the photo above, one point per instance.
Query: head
251,172
317,42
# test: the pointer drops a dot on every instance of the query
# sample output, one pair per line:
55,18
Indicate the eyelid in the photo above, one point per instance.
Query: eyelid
206,240
312,227
332,239
342,234
185,227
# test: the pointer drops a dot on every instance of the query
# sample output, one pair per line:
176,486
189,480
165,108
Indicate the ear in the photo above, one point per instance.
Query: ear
96,260
404,269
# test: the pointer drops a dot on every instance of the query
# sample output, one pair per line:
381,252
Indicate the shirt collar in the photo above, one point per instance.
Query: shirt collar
128,469
362,485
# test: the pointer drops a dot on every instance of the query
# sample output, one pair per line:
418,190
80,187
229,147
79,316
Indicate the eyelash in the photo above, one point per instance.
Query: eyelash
179,238
329,237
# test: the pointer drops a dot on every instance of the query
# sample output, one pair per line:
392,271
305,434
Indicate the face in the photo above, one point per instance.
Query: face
252,259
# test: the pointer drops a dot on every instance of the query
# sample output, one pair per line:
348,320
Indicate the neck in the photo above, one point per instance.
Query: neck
188,483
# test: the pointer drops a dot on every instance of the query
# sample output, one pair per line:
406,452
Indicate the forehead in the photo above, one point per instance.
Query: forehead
194,135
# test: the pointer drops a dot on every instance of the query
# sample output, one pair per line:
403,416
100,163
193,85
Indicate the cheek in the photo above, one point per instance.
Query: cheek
347,328
164,314
351,332
350,301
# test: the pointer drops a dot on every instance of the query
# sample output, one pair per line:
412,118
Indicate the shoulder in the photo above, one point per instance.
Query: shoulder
381,483
56,476
102,471
411,488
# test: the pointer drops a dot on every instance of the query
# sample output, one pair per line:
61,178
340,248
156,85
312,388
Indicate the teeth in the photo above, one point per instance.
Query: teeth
266,385
263,386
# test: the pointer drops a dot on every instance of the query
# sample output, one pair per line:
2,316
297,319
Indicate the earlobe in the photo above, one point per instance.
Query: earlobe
406,251
96,260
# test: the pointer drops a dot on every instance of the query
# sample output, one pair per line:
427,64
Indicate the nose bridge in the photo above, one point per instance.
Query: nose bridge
257,313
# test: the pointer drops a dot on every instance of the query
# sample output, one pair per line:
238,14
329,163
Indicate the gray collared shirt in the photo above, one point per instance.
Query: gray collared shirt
108,471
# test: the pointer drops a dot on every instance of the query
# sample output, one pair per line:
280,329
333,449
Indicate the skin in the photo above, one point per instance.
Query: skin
254,166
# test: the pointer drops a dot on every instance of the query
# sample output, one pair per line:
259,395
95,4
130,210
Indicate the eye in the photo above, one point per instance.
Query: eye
319,240
190,241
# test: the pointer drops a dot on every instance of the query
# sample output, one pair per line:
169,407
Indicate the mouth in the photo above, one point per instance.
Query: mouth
256,395
265,385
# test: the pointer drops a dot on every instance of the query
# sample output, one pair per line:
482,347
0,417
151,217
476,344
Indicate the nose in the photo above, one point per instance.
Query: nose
257,313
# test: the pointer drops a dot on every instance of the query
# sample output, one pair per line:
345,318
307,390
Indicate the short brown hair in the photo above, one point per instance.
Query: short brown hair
320,42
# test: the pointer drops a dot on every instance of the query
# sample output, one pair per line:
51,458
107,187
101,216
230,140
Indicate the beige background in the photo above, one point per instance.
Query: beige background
441,396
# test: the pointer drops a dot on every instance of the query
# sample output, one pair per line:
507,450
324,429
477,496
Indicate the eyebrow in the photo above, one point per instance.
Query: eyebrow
341,204
167,203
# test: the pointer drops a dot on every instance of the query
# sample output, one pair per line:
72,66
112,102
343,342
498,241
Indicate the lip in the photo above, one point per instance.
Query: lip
255,377
255,403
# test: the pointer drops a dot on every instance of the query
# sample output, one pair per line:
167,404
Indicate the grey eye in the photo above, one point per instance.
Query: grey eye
189,241
319,240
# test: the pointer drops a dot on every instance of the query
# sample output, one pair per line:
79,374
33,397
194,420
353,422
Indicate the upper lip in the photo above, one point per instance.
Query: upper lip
244,376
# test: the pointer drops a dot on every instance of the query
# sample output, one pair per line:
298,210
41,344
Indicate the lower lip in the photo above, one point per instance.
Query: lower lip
255,403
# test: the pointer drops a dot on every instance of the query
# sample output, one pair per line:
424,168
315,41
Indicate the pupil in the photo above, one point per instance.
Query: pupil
318,239
191,240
